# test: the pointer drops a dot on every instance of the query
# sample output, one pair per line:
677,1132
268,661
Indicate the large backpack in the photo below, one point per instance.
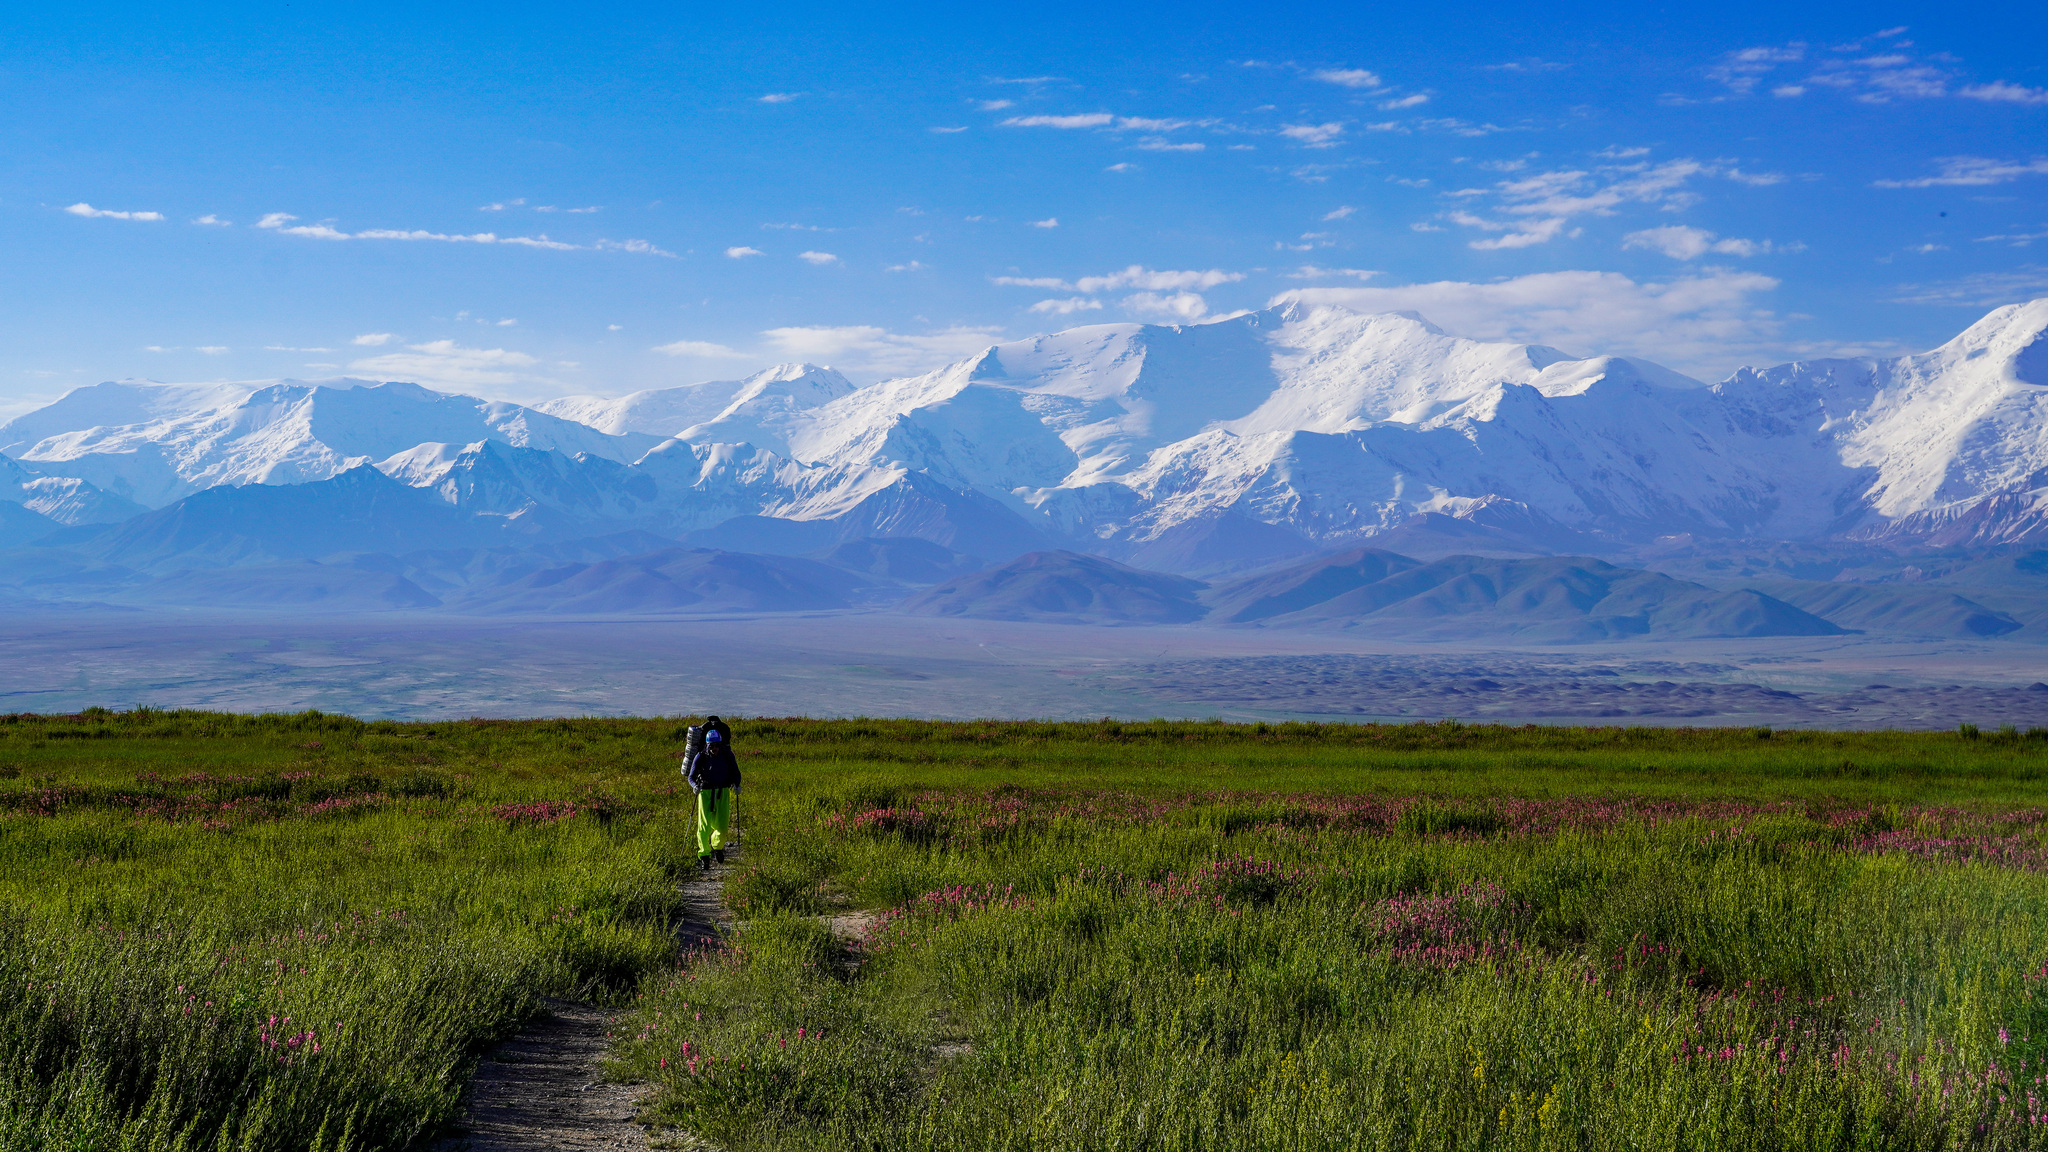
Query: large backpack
693,739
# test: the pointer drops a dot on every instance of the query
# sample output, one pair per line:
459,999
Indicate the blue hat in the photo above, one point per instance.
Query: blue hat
712,735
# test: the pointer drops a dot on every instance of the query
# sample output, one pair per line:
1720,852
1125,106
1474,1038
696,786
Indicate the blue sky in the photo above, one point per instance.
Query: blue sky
530,202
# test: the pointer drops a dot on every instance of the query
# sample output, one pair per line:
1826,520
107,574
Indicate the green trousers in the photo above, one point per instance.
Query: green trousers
714,817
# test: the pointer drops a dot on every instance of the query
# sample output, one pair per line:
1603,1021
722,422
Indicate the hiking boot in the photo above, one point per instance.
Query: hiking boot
704,863
718,854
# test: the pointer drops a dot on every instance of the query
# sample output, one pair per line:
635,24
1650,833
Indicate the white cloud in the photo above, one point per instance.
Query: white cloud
1155,144
1135,276
281,223
1314,135
614,327
1973,171
741,252
699,348
780,97
1742,70
1518,234
83,209
374,339
1705,323
213,349
1311,272
1048,222
818,258
1104,120
1124,167
1542,204
913,266
869,349
285,348
1684,243
1348,77
1179,308
1404,102
159,348
213,221
2000,92
2016,239
1339,213
1081,120
1981,289
1066,307
944,130
446,362
501,205
1789,90
996,105
507,323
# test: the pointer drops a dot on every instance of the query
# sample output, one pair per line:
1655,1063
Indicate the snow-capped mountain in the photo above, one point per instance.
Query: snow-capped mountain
157,443
667,412
1294,428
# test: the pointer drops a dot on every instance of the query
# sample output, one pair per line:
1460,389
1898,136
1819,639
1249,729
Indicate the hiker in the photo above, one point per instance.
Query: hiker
714,775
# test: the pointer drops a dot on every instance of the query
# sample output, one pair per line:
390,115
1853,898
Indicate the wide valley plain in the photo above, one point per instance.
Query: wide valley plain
397,666
300,931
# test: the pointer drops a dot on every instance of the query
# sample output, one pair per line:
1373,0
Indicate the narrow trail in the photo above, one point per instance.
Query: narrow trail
545,1087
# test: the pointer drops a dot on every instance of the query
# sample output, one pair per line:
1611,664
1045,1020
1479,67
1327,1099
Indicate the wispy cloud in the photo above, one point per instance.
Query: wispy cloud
1155,144
83,209
1413,101
702,349
1347,77
780,97
448,363
1539,207
1339,213
2016,239
212,221
2000,92
1684,243
1077,120
997,105
741,252
1706,323
213,349
867,348
309,351
1067,306
1979,290
1313,135
1048,222
818,258
1972,172
1178,308
945,130
1311,272
1135,276
281,223
373,339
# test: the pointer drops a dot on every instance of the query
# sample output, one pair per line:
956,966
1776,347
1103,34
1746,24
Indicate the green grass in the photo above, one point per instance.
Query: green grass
1165,935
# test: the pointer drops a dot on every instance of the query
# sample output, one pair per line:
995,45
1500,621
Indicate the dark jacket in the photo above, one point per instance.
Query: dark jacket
714,767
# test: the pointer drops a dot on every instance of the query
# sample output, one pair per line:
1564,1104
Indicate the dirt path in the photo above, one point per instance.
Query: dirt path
545,1087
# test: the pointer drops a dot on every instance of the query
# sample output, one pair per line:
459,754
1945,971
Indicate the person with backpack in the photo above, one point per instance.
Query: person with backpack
714,775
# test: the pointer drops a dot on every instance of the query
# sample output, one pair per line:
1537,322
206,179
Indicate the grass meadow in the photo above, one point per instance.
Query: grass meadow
302,931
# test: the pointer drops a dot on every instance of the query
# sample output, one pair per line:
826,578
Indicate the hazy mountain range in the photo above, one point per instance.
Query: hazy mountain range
1143,469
